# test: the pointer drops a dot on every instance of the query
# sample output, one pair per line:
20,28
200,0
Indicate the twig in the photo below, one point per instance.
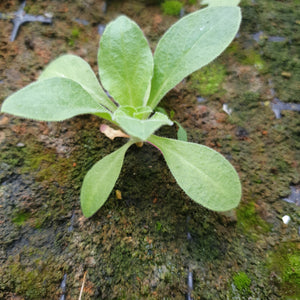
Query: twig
82,286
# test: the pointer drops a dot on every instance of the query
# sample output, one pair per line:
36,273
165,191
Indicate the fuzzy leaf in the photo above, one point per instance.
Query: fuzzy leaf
181,133
189,44
53,99
142,112
141,129
100,180
125,62
77,69
204,174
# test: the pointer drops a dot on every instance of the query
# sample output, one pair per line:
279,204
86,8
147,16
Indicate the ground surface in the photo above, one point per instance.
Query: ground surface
146,245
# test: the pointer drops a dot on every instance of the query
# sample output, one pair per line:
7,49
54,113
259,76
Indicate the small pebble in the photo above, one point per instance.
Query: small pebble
101,29
48,15
201,99
227,109
182,13
286,219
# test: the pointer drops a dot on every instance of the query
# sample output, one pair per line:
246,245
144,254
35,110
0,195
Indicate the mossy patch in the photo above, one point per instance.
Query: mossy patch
278,20
45,163
34,280
207,81
12,155
242,282
75,32
249,220
284,266
172,8
21,217
247,56
251,57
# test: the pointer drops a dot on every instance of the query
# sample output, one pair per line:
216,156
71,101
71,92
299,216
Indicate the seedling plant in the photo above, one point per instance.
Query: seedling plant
133,81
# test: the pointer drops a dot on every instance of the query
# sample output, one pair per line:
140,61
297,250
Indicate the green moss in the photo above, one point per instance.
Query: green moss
74,36
47,165
277,18
292,272
172,8
35,159
284,265
33,9
20,218
250,222
251,57
208,80
35,280
12,155
242,282
75,33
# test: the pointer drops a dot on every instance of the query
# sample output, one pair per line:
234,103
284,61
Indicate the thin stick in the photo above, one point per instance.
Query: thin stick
82,286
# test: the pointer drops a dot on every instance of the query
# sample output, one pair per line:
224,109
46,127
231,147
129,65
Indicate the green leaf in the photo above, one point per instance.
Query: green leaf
204,174
161,110
140,129
189,44
53,99
221,2
100,180
125,62
143,112
77,69
181,133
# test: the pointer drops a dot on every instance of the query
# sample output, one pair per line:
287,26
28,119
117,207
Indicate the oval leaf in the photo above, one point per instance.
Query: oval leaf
75,68
125,62
100,180
204,174
189,44
53,99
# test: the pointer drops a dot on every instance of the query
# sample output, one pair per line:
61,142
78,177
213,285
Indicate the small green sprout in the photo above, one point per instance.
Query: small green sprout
137,81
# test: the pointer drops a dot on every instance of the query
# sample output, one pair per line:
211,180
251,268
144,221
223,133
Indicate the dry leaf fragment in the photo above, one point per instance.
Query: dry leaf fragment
112,133
118,195
4,121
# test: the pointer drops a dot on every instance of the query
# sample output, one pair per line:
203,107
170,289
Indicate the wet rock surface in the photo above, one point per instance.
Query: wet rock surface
154,243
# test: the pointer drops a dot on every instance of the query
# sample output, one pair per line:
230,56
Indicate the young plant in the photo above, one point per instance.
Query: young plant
137,81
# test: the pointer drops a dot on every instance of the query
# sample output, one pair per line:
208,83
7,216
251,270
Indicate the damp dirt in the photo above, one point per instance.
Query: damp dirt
153,242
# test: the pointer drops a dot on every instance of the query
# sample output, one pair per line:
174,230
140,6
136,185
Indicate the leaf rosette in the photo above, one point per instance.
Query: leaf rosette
133,81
